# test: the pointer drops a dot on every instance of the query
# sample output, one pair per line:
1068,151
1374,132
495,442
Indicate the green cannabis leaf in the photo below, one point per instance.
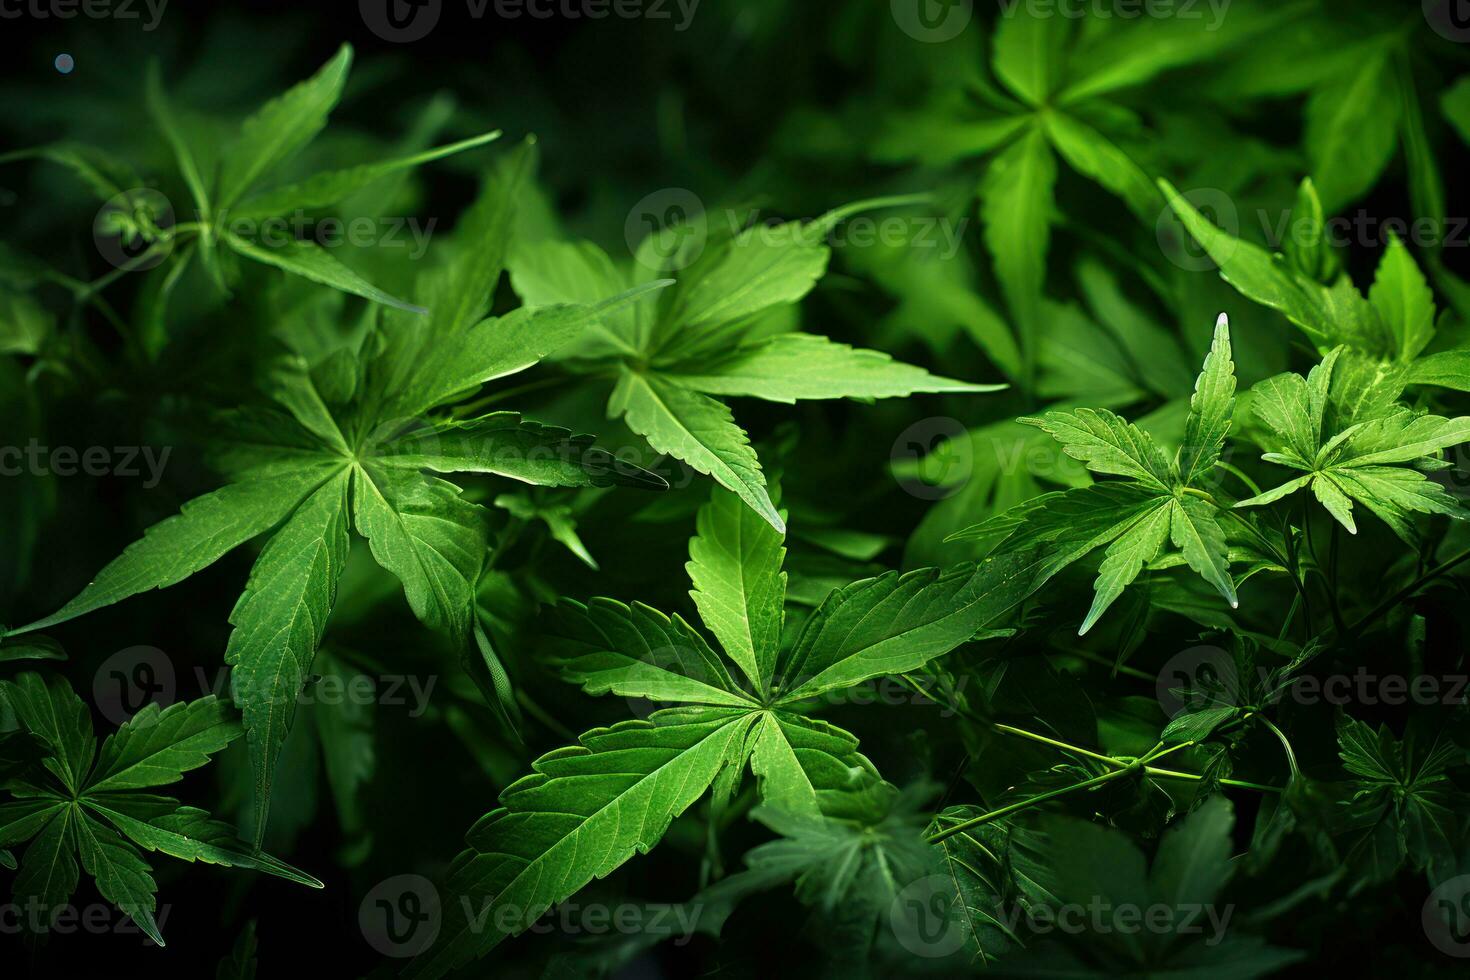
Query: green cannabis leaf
1353,443
1159,501
624,785
365,455
719,331
82,801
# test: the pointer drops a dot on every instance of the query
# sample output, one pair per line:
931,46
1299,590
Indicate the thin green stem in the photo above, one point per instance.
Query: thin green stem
1285,744
985,818
1088,655
1240,475
1196,777
1011,730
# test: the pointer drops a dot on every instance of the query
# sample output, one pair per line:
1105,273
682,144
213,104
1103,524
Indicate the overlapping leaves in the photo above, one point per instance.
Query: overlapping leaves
586,809
1159,500
354,442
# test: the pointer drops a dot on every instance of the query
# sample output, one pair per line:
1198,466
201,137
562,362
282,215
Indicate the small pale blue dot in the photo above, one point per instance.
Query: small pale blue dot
65,63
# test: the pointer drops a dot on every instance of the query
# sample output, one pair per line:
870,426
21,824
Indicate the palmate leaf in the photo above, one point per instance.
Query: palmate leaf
364,457
711,334
586,809
96,812
1404,806
268,139
1159,501
1377,456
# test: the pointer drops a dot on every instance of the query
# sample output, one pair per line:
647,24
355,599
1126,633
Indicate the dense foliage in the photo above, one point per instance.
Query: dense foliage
878,489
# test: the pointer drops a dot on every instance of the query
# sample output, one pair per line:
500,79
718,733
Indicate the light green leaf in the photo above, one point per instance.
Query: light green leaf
1095,156
698,430
898,622
1125,558
1455,104
1447,369
735,565
1030,51
810,768
760,268
310,261
638,652
1197,534
804,366
1403,299
279,621
205,528
1211,410
1106,443
281,127
504,444
426,534
582,813
157,746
